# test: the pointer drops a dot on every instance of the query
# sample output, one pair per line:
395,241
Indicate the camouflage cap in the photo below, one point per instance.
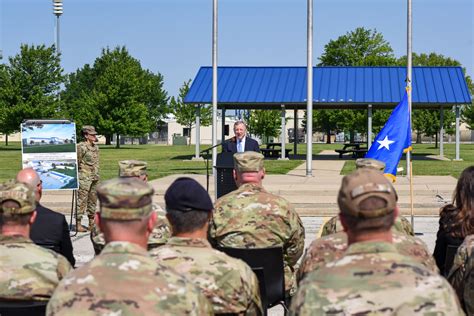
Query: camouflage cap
19,192
249,161
132,168
89,129
370,163
186,194
125,199
361,184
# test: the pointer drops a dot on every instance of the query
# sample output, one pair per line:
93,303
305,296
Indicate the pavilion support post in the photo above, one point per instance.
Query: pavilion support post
198,132
283,133
369,126
223,125
441,132
295,133
458,134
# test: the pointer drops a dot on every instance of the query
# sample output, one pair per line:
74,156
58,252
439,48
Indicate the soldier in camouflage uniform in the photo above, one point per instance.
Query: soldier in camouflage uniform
161,233
229,283
332,247
372,278
461,275
124,279
88,165
27,271
251,217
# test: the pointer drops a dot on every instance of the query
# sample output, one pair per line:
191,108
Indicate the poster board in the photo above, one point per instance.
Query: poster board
49,147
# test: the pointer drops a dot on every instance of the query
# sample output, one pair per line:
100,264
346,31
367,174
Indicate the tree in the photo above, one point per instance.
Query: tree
264,123
361,47
116,95
185,114
28,87
428,121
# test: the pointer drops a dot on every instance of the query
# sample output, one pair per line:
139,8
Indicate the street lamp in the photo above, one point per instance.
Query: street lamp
58,11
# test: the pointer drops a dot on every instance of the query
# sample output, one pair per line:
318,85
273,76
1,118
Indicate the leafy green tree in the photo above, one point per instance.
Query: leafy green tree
468,115
264,123
326,121
361,47
29,84
185,114
116,95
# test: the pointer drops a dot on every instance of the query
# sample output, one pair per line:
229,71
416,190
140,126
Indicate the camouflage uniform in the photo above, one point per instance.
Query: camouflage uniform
27,271
461,275
160,234
124,279
373,278
333,226
251,217
88,165
332,247
229,284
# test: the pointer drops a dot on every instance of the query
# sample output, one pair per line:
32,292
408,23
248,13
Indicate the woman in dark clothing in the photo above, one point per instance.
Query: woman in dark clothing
456,219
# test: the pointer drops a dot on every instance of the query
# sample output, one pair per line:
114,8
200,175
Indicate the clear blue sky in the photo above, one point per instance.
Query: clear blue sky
174,36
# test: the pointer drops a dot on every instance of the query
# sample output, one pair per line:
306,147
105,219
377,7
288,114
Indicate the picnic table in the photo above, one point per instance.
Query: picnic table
354,148
273,150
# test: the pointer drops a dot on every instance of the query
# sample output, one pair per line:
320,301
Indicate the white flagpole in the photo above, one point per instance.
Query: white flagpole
214,93
309,97
408,86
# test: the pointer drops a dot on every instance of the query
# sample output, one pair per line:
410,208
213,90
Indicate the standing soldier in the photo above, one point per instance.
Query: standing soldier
124,279
27,272
251,217
88,163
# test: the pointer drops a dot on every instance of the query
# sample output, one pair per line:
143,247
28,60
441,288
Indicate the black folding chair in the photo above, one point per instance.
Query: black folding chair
23,308
267,263
449,259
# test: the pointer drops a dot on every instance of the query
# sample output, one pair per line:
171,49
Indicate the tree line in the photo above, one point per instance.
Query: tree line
118,96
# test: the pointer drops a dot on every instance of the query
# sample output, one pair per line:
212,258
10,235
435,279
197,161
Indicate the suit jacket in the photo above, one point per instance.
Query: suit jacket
50,230
231,145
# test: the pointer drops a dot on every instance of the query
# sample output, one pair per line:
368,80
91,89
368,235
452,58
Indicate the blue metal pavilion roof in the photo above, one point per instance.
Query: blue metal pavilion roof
333,87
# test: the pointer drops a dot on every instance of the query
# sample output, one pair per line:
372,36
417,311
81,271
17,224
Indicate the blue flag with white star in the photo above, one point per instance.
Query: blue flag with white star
393,139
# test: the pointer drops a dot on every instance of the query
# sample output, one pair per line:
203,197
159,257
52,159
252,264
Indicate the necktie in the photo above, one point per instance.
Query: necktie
239,146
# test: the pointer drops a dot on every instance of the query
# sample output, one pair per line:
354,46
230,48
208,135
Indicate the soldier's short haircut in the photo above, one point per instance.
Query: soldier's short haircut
359,225
137,225
186,221
13,219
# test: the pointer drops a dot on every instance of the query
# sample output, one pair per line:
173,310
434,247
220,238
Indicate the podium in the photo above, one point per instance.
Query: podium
224,169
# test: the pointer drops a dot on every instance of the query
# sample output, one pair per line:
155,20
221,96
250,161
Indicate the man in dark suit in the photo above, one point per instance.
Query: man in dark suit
50,229
240,142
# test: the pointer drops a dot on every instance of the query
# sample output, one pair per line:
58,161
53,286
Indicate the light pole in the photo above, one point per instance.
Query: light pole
58,11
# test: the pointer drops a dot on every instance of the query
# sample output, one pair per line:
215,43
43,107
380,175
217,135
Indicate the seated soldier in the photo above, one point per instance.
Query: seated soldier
161,232
124,279
401,223
251,217
372,278
27,272
229,283
461,275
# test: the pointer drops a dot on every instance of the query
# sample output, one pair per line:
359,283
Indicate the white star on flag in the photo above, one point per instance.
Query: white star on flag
385,143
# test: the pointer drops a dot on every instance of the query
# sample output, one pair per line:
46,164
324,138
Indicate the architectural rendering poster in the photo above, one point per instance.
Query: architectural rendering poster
50,149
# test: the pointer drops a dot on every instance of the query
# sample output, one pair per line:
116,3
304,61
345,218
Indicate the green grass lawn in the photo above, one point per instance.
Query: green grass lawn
63,148
166,160
422,165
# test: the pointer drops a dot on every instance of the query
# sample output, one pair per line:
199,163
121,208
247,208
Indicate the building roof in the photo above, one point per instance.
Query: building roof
333,87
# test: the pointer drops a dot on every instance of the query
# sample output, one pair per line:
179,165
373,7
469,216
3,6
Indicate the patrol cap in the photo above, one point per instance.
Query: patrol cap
249,161
89,129
370,163
19,192
186,194
132,168
125,199
362,184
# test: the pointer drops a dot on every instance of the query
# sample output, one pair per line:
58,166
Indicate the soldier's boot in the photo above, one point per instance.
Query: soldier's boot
79,227
91,223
